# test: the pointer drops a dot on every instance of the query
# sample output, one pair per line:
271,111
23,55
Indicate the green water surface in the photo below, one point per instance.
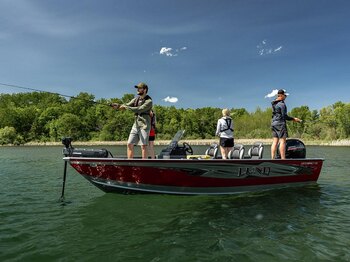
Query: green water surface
297,224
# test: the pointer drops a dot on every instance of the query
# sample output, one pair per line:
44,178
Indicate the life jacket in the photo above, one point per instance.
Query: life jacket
274,110
228,123
139,101
153,121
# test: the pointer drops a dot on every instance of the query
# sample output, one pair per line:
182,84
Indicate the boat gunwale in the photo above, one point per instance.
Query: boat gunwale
116,159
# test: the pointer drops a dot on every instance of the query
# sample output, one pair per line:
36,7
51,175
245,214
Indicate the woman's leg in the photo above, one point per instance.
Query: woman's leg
274,147
223,152
283,147
227,149
151,149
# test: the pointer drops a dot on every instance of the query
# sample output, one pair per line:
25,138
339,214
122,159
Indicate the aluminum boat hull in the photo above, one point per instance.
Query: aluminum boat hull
195,176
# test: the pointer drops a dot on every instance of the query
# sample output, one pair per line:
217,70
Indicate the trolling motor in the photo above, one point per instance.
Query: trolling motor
67,142
70,151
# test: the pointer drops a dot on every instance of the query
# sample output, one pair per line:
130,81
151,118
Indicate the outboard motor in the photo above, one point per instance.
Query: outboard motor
295,148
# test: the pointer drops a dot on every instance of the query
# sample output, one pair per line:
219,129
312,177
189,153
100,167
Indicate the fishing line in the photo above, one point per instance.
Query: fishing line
53,93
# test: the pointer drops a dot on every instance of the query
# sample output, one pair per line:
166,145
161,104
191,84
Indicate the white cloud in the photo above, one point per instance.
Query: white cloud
272,94
168,51
278,49
266,49
171,99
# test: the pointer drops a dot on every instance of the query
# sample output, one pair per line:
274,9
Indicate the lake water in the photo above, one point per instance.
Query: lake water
301,224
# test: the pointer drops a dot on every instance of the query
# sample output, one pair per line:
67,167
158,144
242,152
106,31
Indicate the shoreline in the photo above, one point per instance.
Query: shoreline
195,142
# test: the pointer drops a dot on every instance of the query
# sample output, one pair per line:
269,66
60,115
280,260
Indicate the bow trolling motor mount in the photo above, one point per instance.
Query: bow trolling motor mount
69,150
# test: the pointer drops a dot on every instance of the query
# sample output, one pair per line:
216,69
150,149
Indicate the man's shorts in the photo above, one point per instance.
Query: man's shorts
152,138
138,136
226,142
279,131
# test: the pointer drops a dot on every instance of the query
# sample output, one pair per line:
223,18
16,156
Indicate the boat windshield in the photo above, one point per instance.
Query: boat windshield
177,137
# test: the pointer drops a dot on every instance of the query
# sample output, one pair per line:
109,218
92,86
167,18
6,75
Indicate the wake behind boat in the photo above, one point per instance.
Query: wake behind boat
178,171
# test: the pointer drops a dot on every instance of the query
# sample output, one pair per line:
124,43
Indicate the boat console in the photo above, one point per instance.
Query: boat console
174,151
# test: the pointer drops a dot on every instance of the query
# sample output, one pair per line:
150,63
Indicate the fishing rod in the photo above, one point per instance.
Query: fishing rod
54,93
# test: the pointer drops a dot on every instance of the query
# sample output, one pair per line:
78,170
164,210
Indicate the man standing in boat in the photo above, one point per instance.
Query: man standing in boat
141,107
279,125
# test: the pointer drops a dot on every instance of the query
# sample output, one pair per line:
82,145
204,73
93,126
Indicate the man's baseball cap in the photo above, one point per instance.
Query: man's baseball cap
142,85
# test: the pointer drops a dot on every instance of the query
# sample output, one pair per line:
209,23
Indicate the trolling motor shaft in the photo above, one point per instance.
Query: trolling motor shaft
67,151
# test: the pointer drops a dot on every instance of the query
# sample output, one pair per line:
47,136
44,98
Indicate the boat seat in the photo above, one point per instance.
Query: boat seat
256,151
237,152
213,151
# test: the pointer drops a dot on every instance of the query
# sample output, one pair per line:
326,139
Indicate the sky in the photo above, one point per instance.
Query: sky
191,53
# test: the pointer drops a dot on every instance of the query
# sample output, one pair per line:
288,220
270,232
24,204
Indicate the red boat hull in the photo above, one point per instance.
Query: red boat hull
193,177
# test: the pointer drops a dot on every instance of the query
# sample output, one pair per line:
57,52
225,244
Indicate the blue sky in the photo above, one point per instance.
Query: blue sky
215,53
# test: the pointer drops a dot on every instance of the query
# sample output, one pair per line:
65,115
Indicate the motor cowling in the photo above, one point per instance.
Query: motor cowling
295,148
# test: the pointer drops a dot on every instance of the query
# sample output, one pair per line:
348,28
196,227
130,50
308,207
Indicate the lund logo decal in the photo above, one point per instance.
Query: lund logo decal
253,171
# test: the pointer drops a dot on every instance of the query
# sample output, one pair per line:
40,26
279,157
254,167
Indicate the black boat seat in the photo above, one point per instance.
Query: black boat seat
256,151
213,151
237,152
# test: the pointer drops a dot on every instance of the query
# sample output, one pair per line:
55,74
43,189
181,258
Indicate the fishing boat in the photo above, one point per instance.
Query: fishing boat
177,171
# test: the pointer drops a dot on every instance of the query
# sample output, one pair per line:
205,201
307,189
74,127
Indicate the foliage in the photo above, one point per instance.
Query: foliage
39,116
7,135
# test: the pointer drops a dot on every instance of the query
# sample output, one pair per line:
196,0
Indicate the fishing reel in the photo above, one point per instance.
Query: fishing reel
114,105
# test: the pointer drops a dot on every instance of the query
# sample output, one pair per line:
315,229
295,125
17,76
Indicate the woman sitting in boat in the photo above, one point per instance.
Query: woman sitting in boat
224,130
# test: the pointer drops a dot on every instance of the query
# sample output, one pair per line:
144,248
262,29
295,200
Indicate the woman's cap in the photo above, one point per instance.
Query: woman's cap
282,92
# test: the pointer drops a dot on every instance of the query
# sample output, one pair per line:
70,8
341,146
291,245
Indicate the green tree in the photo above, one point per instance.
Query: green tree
329,123
67,125
44,116
303,113
127,98
342,115
7,135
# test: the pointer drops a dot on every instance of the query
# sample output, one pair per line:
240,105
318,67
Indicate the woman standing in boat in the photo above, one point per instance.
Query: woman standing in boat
279,125
224,130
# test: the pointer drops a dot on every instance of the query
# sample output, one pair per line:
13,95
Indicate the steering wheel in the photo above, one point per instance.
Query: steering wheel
188,148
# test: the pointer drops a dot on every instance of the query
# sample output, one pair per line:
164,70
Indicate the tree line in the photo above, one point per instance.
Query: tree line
44,117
